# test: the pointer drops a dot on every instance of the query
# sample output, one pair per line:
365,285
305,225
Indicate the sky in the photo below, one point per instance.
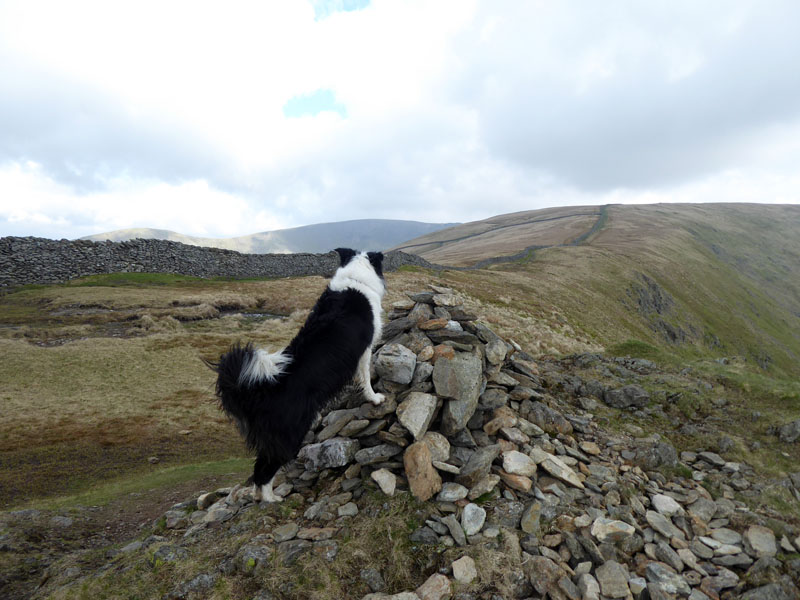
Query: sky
224,119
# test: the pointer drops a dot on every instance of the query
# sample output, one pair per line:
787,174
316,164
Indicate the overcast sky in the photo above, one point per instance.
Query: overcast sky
224,119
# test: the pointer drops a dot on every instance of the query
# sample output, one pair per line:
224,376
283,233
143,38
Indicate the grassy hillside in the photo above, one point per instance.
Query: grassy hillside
708,280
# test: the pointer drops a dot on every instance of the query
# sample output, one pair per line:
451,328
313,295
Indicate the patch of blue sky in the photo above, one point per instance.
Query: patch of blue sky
322,100
325,8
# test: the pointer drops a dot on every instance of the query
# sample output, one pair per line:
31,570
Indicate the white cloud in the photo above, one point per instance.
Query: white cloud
32,200
158,114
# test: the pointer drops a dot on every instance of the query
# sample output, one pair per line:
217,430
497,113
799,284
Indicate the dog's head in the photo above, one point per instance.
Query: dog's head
364,267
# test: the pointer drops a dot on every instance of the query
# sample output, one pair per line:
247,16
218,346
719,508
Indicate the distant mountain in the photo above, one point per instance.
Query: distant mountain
367,234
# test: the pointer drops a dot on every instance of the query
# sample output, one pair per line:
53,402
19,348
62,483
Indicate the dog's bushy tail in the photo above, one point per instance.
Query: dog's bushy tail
240,373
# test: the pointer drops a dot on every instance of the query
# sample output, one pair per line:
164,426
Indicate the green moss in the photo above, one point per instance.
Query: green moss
635,349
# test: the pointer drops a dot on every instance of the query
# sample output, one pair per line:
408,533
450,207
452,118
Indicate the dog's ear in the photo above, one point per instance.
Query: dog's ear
345,255
376,260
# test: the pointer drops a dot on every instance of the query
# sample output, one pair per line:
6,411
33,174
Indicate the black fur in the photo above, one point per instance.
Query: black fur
376,260
274,416
345,255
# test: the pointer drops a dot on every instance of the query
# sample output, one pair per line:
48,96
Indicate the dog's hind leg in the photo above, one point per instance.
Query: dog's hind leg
363,378
263,474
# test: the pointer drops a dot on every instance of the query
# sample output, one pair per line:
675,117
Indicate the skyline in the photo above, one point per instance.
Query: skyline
260,117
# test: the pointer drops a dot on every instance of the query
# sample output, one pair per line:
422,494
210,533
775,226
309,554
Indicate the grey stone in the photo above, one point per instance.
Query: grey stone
666,505
496,351
452,492
438,445
396,363
712,458
657,455
373,578
610,530
667,555
790,432
168,553
589,587
726,536
613,579
529,522
376,454
424,535
348,510
670,581
507,513
556,467
478,465
493,398
336,452
285,532
760,541
784,589
415,413
629,396
722,580
455,530
386,480
662,525
703,509
464,571
472,518
543,573
459,379
518,463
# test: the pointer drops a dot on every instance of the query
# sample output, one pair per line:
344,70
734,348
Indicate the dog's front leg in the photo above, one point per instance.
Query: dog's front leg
363,377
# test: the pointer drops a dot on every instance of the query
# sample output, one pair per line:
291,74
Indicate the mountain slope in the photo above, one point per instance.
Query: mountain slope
705,280
371,234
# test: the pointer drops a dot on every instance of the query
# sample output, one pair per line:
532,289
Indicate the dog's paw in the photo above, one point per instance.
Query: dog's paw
376,399
265,494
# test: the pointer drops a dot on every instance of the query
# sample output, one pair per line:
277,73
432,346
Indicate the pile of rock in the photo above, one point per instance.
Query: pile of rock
505,458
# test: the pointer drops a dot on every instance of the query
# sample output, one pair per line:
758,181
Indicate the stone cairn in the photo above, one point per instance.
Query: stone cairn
503,457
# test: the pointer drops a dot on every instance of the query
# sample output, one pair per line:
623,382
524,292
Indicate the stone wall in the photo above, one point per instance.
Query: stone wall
25,260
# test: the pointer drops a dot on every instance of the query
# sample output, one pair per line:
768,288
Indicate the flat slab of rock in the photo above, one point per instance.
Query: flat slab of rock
760,541
518,463
464,571
415,413
386,480
459,379
478,465
556,467
395,362
336,452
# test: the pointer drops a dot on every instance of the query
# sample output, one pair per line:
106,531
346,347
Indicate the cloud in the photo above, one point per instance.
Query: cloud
616,96
299,112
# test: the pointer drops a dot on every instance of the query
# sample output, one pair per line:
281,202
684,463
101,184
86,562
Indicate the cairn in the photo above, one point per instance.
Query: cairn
472,427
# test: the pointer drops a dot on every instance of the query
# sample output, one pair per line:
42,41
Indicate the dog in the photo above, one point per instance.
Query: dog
274,398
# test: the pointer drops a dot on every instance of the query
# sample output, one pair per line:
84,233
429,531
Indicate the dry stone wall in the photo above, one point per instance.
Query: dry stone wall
25,260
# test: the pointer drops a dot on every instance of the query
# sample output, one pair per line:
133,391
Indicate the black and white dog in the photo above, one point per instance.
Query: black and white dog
274,398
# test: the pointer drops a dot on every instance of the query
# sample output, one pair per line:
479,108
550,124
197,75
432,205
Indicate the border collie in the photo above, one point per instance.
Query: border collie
274,398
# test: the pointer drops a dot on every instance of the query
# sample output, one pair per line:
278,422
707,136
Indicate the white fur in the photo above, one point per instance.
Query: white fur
363,377
359,275
265,493
263,366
